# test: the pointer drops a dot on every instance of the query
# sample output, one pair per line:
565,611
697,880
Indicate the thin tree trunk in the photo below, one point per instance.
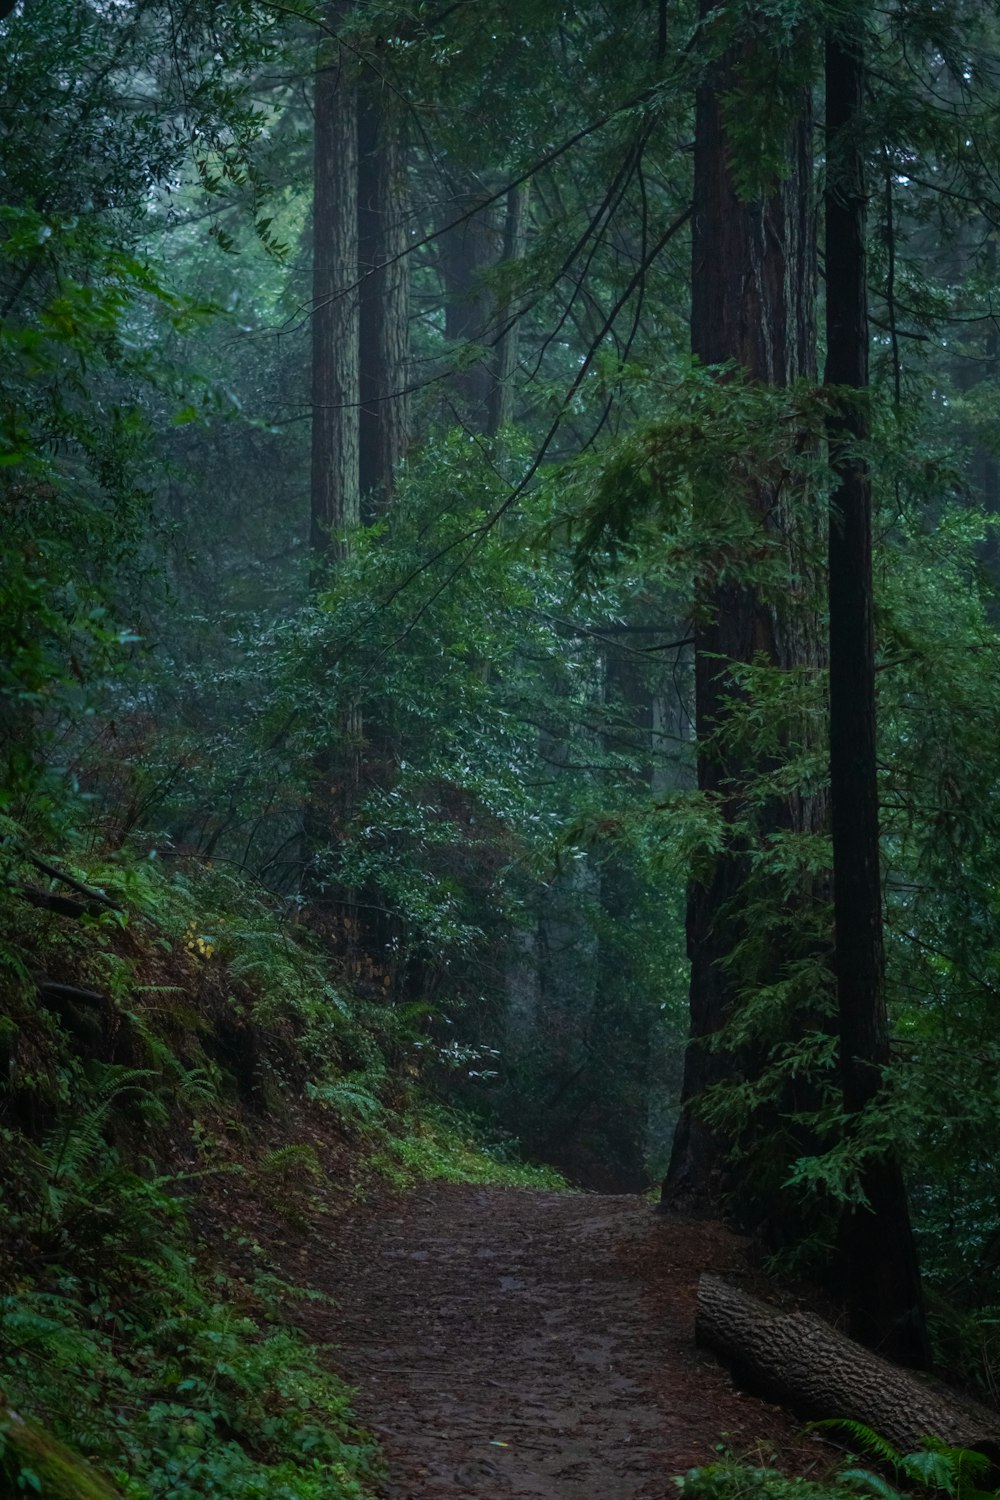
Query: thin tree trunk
882,1278
753,303
382,415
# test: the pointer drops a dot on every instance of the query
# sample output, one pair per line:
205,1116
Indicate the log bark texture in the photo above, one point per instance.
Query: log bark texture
801,1362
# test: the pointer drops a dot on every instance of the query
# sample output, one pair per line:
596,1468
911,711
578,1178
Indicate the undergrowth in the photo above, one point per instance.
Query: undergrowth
875,1471
731,1480
443,1146
130,1340
147,1042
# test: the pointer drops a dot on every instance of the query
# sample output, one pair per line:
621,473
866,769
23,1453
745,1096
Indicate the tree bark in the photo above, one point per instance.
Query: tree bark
335,481
881,1274
468,252
384,327
335,487
515,240
803,1363
753,304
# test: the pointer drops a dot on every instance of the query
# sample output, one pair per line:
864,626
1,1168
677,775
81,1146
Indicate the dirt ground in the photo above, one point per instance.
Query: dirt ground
515,1344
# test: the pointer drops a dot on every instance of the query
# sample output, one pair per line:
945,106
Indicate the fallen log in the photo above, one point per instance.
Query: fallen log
97,898
800,1362
63,906
95,902
50,991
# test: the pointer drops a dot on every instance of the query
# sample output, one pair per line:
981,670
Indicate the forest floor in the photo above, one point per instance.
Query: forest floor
514,1343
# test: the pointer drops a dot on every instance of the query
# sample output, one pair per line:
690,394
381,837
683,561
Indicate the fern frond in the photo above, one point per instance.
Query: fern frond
299,1160
967,1461
67,1150
864,1438
934,1471
872,1484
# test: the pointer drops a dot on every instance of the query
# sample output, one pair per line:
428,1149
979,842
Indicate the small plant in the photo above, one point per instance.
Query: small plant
937,1468
289,1178
731,1480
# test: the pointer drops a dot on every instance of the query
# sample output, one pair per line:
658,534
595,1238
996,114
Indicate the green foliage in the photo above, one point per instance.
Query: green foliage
440,1145
119,1328
937,1469
86,319
677,486
158,1368
478,694
731,1480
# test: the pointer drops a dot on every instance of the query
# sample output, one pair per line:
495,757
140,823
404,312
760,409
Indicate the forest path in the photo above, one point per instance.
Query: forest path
509,1343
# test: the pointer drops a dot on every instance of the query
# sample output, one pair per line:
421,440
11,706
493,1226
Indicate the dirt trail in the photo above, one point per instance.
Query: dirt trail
529,1344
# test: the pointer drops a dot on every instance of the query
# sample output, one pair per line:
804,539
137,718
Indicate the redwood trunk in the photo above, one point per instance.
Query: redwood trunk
384,328
882,1278
753,303
335,391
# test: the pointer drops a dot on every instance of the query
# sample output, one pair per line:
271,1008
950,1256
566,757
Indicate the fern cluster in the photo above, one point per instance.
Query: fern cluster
122,1332
938,1471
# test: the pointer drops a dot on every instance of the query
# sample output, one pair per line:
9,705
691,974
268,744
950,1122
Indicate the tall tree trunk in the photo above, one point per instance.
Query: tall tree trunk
515,240
468,252
382,204
882,1279
753,303
335,491
621,1028
384,268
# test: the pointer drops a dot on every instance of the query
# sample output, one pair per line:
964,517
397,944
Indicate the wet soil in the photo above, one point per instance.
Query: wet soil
521,1345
